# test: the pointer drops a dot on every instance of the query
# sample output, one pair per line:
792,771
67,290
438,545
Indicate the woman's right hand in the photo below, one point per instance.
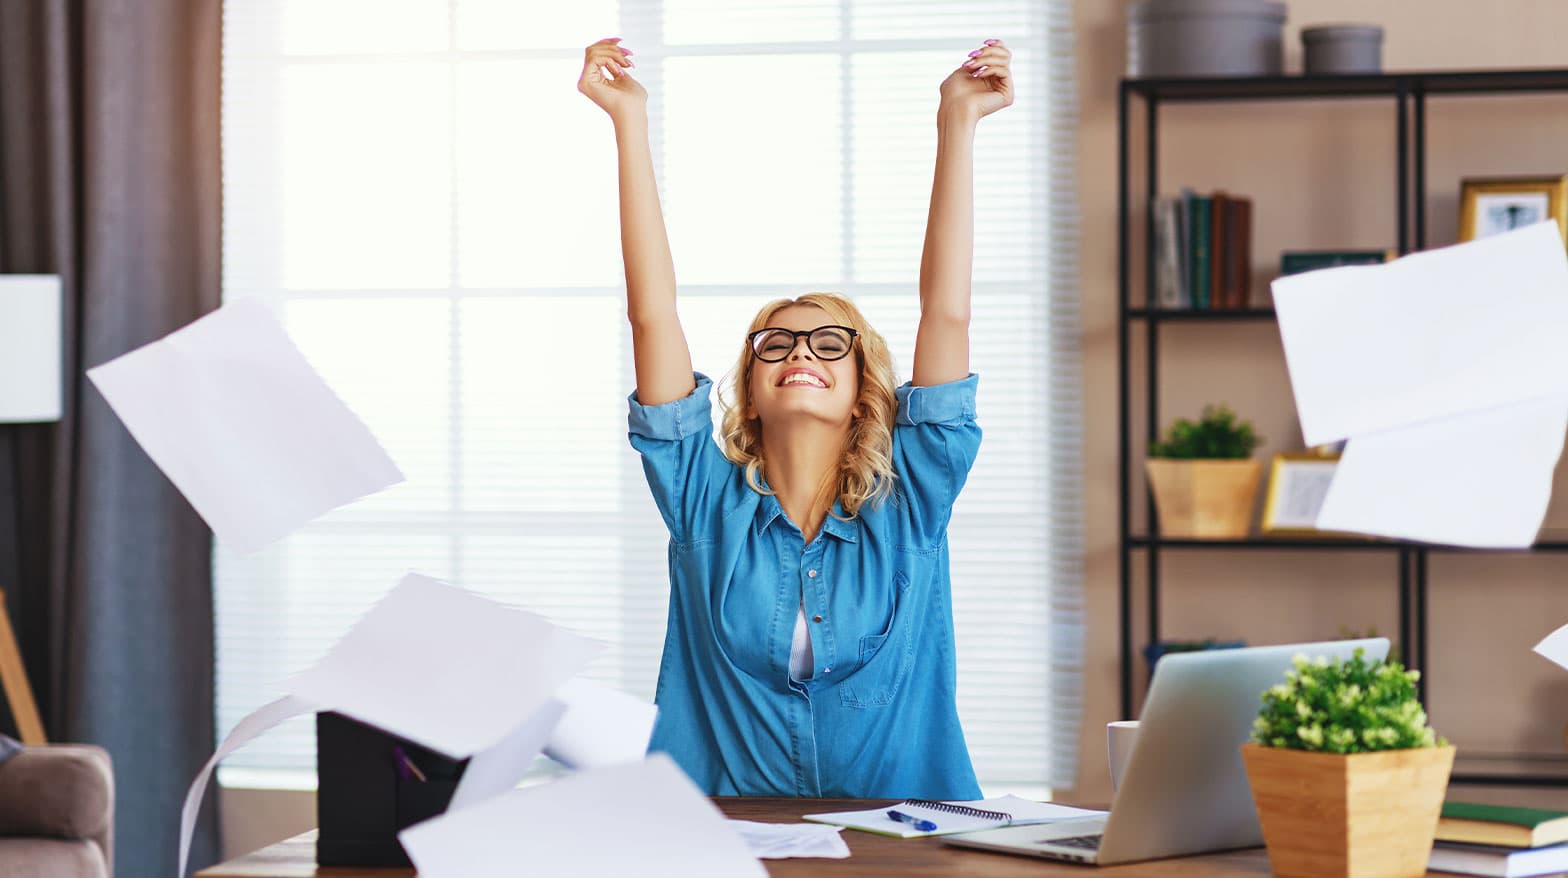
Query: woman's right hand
617,94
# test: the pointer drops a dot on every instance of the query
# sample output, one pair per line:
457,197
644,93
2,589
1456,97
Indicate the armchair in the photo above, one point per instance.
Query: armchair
57,813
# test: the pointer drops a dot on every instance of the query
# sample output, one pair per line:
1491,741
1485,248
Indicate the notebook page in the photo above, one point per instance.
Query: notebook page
1022,811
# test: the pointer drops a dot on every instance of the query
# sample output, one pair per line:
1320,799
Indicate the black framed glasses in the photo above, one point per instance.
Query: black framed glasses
827,343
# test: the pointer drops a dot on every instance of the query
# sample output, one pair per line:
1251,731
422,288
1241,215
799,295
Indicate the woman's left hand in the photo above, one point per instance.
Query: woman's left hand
983,84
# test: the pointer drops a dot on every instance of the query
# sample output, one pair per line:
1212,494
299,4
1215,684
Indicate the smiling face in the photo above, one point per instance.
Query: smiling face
803,384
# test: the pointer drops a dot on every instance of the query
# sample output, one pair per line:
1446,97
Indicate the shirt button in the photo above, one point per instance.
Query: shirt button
816,618
827,670
811,573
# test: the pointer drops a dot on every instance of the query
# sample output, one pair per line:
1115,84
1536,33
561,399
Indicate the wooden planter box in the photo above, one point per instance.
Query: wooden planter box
1365,815
1204,499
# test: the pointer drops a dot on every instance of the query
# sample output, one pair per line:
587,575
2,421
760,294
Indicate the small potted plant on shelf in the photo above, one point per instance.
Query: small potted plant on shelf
1204,478
1347,776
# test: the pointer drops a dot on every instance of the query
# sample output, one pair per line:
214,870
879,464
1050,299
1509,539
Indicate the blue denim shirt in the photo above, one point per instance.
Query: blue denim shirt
877,718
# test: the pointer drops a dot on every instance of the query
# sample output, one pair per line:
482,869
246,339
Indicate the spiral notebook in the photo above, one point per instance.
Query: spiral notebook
952,817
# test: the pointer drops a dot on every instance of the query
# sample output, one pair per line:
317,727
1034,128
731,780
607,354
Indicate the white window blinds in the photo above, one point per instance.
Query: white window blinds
425,199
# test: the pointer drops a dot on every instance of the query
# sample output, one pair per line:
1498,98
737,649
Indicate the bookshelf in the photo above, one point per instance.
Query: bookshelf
1138,320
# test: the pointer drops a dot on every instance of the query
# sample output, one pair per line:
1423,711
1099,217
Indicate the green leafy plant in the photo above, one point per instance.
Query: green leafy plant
1338,706
1218,434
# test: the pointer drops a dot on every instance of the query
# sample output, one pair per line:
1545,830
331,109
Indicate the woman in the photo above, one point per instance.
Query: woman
809,650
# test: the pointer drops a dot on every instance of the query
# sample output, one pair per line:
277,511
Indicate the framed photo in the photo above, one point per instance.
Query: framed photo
1298,482
1500,204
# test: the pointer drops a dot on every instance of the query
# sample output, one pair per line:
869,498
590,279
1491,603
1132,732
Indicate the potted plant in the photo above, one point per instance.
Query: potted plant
1347,776
1204,479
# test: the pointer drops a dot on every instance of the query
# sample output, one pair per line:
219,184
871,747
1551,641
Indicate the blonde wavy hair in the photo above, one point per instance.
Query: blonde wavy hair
865,470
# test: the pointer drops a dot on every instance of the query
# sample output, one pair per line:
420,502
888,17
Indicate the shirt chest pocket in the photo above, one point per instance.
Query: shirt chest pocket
887,658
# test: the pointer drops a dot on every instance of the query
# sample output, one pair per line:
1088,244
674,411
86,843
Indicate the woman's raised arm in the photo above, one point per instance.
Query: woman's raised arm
659,351
978,88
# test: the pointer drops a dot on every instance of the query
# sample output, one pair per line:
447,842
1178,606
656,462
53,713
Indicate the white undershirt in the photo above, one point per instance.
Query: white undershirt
800,657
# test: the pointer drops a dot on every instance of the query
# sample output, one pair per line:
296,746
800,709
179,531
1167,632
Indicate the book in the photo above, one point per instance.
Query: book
1237,251
1170,285
1297,261
1502,825
952,817
1219,208
1182,208
1503,862
1199,208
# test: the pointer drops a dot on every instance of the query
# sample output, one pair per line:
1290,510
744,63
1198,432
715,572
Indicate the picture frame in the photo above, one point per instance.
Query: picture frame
1298,482
1489,205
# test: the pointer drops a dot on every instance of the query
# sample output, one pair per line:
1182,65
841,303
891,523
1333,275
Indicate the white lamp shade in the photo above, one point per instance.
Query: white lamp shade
30,354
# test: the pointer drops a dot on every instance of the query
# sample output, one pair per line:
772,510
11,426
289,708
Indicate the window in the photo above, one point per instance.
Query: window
420,192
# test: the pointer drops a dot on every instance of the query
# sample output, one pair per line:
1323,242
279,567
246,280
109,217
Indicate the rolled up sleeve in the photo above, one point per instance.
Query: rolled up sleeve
675,440
935,442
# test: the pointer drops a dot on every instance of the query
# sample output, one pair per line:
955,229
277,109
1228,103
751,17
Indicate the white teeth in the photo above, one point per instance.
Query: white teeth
803,378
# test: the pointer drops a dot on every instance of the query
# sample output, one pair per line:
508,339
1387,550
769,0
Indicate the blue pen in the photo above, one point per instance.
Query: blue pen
916,822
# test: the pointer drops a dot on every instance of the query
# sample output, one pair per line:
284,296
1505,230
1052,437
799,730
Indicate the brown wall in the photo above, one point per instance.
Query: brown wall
1321,174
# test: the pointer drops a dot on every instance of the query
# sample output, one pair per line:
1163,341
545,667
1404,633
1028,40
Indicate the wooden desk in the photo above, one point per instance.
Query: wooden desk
870,855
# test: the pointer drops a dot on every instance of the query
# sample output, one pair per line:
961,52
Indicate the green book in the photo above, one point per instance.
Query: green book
1199,210
1501,825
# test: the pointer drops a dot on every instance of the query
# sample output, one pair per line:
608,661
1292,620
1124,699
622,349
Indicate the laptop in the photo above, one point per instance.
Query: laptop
1184,789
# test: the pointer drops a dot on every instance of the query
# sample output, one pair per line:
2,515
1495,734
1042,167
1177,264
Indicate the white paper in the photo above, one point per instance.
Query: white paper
262,719
501,767
1481,480
1020,811
1444,332
777,841
602,726
1028,811
445,668
644,819
229,410
1555,646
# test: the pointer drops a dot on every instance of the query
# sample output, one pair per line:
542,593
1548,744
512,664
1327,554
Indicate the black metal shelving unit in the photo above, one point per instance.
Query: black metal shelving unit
1407,95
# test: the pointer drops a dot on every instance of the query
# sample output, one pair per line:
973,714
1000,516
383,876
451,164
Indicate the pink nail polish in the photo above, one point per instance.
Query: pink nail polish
974,53
991,42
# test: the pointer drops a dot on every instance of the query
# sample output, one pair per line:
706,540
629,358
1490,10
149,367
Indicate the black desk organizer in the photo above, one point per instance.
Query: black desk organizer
364,797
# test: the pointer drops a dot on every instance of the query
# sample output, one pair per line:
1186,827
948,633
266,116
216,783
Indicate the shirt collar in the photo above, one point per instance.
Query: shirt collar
769,509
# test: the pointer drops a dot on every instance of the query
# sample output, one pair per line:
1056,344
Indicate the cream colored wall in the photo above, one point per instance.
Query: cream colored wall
1321,176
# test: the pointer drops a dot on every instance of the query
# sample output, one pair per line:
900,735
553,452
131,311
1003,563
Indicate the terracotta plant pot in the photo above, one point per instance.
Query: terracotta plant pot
1204,499
1365,815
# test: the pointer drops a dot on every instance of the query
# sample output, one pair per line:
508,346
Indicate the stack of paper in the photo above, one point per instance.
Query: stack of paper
1447,372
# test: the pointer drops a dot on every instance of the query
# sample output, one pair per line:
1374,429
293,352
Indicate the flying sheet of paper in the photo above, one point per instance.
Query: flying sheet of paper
440,666
500,768
602,726
444,667
1448,481
645,819
1555,647
777,841
1464,328
262,719
229,410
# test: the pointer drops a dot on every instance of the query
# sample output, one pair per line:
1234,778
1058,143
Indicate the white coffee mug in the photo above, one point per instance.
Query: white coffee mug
1120,736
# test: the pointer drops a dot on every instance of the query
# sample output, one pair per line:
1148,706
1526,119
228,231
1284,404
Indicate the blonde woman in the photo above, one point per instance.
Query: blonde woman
809,650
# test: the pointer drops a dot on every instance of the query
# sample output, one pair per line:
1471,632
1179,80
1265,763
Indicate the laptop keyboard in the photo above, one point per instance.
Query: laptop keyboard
1087,842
